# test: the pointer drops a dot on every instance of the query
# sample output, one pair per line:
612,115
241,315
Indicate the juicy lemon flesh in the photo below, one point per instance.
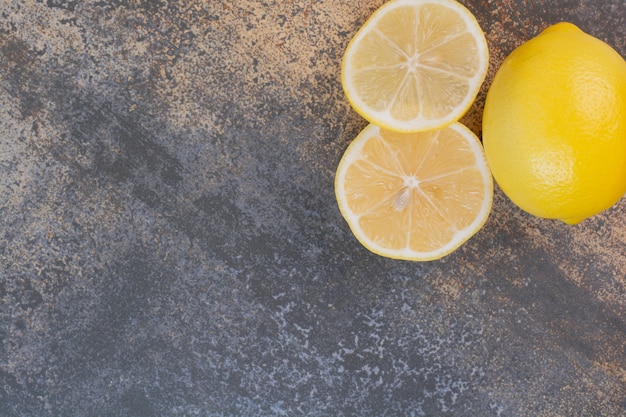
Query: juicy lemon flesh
554,125
414,196
417,66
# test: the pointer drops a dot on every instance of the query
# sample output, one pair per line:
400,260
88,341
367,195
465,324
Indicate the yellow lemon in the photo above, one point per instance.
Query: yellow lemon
554,125
415,64
414,196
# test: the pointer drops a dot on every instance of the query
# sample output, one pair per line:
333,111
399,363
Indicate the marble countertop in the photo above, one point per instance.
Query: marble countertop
170,244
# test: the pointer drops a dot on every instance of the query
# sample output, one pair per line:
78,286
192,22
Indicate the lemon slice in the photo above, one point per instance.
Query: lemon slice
415,65
414,196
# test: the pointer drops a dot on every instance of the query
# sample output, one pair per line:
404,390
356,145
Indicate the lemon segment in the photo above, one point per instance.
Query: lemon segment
415,65
414,196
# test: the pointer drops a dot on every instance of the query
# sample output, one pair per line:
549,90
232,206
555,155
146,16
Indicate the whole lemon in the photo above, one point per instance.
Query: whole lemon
554,125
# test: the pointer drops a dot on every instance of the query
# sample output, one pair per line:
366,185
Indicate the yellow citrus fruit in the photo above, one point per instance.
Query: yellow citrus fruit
415,65
554,125
414,196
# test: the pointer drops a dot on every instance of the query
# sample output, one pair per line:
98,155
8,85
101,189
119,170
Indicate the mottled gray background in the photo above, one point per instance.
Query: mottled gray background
170,243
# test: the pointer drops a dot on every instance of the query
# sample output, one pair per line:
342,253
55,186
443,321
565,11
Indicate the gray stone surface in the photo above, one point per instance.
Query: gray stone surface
170,243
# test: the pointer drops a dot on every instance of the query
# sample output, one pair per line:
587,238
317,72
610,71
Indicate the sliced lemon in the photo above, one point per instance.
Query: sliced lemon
414,196
415,65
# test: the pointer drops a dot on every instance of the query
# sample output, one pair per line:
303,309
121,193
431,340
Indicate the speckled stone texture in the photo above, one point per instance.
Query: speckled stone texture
170,243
